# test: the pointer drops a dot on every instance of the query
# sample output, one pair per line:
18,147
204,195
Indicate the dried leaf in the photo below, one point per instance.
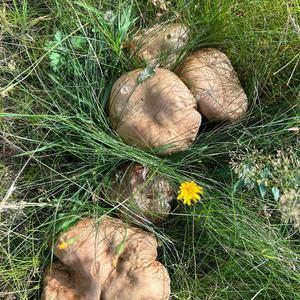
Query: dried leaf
160,4
294,129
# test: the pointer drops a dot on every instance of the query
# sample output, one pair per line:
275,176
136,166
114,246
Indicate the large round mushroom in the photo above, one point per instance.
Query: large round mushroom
213,82
109,260
159,113
160,44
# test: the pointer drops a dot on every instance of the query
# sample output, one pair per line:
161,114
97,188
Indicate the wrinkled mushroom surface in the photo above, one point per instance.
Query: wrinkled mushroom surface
160,44
94,266
212,80
158,112
143,194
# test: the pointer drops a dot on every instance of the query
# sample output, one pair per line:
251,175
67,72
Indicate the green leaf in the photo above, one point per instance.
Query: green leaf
55,60
146,73
120,248
49,45
237,185
275,192
72,240
58,36
67,223
78,42
262,190
265,173
124,23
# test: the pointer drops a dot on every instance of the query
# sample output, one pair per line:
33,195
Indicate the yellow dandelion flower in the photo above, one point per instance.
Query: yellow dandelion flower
189,191
62,245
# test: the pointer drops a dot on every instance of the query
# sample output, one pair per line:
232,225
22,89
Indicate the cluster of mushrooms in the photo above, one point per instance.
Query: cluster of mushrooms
162,112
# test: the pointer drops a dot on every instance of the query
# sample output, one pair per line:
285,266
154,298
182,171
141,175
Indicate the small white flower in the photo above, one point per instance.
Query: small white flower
109,16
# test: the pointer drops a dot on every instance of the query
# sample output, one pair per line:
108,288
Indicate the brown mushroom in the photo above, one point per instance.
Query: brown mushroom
108,260
142,194
212,80
160,44
158,112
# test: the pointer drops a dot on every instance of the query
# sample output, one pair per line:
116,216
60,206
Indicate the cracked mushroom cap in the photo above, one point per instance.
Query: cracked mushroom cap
212,80
160,44
143,194
108,260
158,112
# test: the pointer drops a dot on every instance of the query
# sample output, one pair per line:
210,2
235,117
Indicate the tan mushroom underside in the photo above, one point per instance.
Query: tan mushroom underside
213,82
159,112
90,268
143,194
160,44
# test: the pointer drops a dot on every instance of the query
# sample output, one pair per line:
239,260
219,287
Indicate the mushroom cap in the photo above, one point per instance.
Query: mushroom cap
212,80
144,195
58,283
92,268
159,44
158,112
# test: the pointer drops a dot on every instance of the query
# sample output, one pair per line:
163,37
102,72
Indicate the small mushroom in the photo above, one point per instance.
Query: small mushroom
143,194
160,44
159,112
108,260
212,80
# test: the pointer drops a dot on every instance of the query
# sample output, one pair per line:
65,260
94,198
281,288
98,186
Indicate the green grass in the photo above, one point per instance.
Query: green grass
60,59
